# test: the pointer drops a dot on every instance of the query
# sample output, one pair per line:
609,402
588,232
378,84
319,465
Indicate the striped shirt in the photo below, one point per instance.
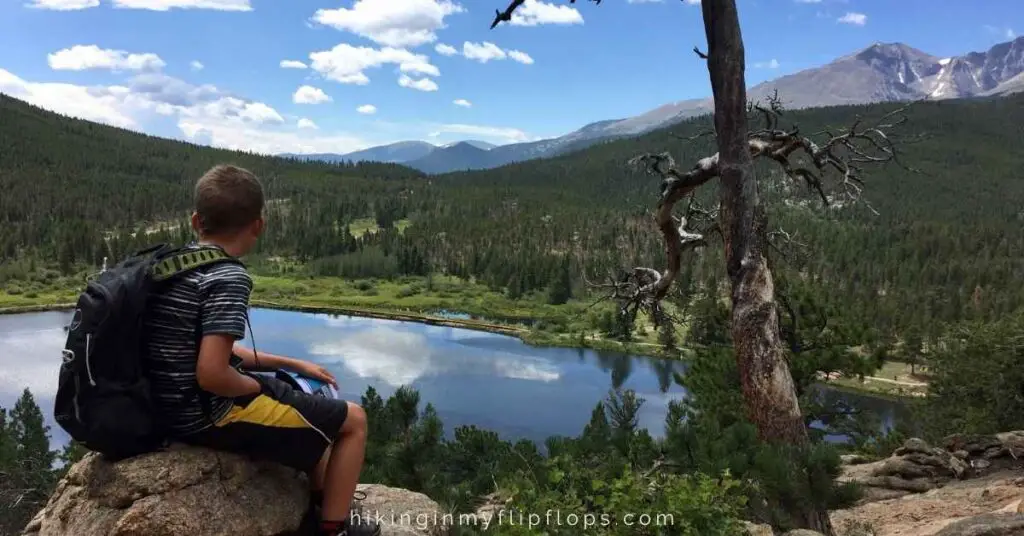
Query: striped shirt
211,299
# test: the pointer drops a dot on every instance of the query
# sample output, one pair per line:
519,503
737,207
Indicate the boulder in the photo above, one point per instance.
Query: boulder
802,532
986,525
914,445
200,492
973,444
917,467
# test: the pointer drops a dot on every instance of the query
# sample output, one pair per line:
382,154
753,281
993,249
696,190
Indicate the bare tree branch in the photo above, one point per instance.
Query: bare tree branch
842,152
506,16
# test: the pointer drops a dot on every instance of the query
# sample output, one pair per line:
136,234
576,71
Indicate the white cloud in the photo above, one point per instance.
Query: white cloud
84,57
487,51
196,65
1006,33
536,12
773,64
204,114
238,136
462,102
693,2
446,50
292,64
345,63
367,109
165,5
395,23
520,56
307,123
233,109
63,5
310,95
103,105
509,135
858,19
423,84
483,52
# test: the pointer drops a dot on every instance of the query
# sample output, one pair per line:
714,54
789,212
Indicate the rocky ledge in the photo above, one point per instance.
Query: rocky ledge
199,492
917,467
970,485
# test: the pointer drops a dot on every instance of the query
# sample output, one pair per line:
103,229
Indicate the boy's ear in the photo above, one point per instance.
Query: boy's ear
257,226
195,222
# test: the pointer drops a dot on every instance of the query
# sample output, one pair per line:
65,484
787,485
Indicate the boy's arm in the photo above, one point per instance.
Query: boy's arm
266,361
214,372
272,361
225,306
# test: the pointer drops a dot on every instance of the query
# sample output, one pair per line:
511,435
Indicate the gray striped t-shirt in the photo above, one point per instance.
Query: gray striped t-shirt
214,297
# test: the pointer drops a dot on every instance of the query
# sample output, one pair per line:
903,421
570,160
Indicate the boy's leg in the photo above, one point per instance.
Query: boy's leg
344,465
302,431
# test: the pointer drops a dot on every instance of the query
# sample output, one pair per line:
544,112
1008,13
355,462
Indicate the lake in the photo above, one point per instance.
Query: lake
492,381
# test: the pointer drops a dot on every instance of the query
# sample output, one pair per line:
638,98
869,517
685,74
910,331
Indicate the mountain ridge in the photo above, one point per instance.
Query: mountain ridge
880,72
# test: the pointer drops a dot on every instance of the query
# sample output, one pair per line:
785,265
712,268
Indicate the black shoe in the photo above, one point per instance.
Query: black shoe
358,523
316,507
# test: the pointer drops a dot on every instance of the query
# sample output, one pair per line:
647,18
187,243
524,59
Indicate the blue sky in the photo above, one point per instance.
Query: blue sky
380,71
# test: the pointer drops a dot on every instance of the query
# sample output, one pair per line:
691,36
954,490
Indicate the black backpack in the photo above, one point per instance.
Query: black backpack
103,395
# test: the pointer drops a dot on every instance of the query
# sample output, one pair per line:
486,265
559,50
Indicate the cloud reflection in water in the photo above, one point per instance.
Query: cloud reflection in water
400,357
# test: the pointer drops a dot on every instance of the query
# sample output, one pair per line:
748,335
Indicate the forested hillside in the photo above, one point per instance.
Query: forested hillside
944,245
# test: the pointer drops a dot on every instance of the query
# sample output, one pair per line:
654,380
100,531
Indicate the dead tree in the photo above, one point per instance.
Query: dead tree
768,390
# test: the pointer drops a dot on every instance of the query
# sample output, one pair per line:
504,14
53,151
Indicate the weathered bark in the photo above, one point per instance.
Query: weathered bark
767,384
768,389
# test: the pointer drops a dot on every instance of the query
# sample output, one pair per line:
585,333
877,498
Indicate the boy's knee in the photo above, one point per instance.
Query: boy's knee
355,422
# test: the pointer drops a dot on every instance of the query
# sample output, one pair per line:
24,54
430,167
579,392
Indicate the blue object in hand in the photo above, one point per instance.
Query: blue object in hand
307,385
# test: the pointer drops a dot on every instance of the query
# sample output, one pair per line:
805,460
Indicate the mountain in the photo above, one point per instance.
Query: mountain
394,153
882,72
897,72
464,154
479,144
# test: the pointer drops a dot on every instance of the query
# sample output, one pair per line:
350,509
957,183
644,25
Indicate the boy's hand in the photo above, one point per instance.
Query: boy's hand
317,372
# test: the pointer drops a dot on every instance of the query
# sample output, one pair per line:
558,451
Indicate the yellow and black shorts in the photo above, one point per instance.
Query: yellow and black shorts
280,424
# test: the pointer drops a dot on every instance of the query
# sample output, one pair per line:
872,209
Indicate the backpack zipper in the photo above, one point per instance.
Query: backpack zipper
88,354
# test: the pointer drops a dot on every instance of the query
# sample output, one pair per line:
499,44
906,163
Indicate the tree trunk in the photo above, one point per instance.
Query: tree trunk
768,389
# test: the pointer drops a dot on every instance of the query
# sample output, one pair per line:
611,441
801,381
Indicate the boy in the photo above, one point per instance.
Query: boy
205,397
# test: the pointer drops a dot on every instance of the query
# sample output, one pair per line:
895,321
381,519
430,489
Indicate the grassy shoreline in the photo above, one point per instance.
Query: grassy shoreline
424,301
521,332
531,320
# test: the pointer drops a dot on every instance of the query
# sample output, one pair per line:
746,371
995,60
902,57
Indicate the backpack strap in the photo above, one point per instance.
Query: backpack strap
184,260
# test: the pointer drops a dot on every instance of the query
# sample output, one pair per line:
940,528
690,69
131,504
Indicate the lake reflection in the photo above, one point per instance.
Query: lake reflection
491,381
470,377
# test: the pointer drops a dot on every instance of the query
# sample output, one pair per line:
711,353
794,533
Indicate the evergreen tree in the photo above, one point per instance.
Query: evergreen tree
560,290
27,474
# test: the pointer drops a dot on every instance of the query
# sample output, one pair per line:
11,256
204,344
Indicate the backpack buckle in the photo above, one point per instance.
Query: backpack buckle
67,355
